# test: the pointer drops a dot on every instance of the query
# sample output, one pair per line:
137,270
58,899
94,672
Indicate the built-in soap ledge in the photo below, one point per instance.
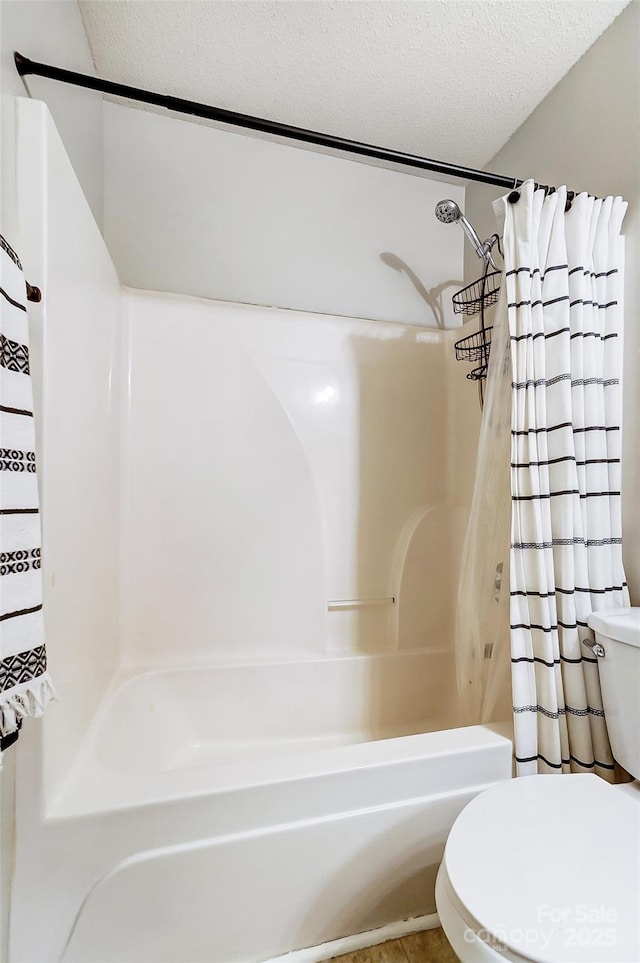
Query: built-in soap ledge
334,605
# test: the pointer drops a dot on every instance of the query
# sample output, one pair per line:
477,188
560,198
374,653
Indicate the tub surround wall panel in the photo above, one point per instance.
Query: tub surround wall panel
215,213
222,543
274,462
74,347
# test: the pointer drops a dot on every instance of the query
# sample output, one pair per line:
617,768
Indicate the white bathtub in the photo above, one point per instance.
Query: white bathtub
189,718
208,819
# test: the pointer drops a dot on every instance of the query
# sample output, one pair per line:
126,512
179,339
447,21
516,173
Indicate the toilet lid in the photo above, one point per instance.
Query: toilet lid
549,867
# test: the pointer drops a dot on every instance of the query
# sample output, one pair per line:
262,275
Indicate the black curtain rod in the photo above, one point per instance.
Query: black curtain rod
25,66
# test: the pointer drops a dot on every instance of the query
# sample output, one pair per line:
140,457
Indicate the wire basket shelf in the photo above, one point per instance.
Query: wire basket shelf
475,347
481,293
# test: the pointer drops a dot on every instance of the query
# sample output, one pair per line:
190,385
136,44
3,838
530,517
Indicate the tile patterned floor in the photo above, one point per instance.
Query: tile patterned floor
429,946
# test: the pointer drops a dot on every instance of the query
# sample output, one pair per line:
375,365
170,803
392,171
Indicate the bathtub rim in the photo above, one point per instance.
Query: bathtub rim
92,790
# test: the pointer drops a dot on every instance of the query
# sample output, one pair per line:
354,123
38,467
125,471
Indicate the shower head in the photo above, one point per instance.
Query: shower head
448,211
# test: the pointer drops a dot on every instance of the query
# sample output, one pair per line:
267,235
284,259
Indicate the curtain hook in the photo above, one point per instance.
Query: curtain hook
514,196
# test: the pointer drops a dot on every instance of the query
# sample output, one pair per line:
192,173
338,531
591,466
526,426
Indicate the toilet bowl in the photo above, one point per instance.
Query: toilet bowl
547,868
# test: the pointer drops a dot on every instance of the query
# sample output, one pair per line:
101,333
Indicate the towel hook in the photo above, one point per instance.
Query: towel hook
33,293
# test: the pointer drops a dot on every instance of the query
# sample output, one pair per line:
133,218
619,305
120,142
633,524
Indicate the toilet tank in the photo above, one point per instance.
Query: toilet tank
618,632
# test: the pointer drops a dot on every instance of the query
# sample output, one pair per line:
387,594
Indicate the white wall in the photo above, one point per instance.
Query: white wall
196,210
51,31
586,134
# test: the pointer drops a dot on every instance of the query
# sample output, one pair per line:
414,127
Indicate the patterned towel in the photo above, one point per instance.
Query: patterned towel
25,686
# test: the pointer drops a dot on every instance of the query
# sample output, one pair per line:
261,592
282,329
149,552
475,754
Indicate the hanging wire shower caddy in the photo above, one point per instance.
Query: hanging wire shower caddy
471,300
475,297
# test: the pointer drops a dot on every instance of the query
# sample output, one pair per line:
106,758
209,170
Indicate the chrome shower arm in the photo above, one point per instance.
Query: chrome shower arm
473,237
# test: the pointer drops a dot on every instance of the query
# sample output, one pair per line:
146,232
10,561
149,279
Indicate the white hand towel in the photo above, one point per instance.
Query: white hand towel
25,686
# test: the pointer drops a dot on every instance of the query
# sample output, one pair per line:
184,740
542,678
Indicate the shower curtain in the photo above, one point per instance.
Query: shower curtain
544,542
563,281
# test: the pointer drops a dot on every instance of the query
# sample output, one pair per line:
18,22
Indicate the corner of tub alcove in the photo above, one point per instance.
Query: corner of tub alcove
423,567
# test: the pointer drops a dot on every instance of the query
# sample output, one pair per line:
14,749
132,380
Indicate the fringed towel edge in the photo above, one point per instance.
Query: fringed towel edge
28,699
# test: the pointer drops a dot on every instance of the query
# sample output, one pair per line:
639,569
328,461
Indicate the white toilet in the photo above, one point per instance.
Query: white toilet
547,868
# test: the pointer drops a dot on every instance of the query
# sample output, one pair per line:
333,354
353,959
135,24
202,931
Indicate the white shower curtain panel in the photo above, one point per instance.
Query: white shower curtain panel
564,283
482,609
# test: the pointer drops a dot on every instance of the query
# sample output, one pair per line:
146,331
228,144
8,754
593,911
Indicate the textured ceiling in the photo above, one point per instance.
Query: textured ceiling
450,79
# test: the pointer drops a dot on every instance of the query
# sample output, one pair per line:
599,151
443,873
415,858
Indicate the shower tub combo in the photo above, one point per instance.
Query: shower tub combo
237,766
